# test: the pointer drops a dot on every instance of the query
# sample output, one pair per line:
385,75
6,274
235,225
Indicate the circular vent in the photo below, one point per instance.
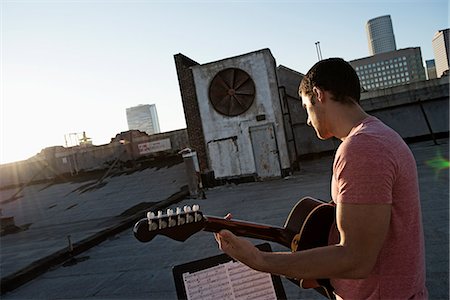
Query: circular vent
232,92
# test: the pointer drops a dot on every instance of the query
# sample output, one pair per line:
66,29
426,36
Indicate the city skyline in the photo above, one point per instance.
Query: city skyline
75,66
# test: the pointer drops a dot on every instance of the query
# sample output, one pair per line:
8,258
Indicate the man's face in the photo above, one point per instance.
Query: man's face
316,116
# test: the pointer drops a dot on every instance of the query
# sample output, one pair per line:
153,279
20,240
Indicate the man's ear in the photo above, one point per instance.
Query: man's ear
319,93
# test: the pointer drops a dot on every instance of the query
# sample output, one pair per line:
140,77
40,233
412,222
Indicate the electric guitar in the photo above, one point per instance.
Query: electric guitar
306,227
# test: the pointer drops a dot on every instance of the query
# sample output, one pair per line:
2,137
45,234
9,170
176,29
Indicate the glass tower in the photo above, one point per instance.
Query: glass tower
380,35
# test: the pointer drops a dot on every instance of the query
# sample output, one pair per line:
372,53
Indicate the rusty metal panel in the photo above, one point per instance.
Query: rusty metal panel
224,157
265,151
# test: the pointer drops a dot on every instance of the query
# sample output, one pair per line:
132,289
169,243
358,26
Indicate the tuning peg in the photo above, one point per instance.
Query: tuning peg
178,211
162,224
151,223
181,219
172,220
197,215
160,213
187,208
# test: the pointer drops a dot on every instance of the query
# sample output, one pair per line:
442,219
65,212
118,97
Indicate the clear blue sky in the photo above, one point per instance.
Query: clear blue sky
74,66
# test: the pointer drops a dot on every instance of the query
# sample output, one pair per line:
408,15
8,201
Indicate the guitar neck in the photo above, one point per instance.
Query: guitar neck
278,235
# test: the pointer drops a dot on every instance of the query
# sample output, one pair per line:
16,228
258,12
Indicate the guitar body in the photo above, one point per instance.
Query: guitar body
307,226
312,220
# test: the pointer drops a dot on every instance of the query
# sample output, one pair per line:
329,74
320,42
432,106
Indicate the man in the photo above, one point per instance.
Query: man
376,249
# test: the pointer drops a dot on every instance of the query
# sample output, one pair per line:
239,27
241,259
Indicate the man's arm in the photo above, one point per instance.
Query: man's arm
363,229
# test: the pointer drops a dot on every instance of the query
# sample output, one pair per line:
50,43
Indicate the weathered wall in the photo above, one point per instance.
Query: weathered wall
186,82
288,82
400,107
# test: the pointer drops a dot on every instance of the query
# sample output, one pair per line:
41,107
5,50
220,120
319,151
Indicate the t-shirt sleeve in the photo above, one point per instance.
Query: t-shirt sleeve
363,172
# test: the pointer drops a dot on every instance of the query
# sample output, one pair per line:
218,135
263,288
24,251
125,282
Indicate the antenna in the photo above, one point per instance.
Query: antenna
319,52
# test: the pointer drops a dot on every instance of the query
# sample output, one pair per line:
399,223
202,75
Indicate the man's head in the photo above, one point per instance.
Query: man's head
335,76
330,89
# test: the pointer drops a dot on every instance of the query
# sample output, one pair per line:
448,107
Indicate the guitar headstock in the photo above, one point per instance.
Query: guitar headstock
178,224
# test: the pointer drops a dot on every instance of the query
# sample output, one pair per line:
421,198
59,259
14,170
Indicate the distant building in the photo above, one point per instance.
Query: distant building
144,118
431,69
390,68
380,35
440,47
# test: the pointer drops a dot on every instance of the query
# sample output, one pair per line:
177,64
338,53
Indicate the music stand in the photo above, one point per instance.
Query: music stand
221,277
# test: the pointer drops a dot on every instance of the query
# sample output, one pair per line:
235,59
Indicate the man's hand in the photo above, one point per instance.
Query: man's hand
238,248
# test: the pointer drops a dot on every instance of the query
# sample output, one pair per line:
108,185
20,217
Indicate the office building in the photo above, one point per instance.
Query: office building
380,35
440,49
144,118
390,68
431,69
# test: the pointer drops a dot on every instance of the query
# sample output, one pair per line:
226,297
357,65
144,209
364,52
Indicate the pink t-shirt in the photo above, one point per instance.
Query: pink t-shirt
374,165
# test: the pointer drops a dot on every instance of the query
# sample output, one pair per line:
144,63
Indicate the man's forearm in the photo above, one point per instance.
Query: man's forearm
333,261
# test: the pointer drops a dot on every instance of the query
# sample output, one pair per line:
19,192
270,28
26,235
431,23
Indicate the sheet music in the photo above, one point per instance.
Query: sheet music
231,280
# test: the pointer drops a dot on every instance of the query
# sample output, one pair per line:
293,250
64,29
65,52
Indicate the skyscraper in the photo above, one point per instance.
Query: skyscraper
431,69
380,35
440,49
144,118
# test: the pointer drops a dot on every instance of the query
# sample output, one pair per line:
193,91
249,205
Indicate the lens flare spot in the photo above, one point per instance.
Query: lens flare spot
438,163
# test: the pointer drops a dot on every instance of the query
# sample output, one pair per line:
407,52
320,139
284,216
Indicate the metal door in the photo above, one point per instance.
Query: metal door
265,151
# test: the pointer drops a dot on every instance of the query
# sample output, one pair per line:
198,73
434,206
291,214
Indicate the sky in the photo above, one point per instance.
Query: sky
69,67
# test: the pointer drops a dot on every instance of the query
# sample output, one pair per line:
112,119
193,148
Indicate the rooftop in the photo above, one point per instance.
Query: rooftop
109,263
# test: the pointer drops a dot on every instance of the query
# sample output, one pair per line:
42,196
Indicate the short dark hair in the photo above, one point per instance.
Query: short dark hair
334,75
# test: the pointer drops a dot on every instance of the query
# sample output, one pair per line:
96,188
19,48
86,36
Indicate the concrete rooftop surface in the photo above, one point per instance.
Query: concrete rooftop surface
109,263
